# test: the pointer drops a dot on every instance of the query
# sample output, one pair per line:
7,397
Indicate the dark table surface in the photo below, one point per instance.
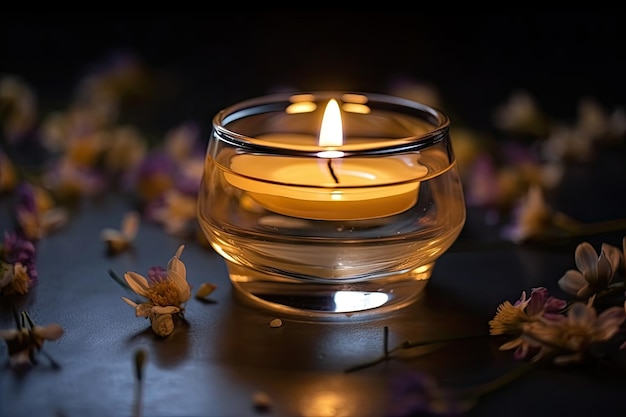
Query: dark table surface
227,352
213,365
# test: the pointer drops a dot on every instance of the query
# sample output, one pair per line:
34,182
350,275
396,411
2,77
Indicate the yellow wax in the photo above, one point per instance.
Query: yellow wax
363,188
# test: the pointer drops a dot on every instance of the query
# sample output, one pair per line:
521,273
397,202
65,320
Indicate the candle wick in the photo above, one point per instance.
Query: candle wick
332,171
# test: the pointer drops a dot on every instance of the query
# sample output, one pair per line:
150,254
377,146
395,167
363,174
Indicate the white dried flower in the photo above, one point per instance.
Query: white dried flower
166,292
120,240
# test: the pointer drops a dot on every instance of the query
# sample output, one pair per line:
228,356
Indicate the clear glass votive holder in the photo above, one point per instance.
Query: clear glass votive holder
329,205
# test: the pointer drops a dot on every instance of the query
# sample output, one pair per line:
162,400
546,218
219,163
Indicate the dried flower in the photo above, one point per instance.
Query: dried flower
14,279
125,150
205,289
566,143
546,330
533,217
154,176
36,213
511,319
535,220
569,340
417,394
120,240
521,114
70,181
18,272
595,272
27,340
175,210
166,292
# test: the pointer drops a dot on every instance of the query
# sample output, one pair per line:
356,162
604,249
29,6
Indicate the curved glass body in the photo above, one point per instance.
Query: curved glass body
333,229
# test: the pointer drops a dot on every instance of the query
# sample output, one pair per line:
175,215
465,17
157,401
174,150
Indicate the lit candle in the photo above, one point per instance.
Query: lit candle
331,186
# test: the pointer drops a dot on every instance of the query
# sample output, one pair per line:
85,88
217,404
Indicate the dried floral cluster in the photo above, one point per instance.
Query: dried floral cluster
512,175
34,218
586,327
50,161
27,340
85,151
18,273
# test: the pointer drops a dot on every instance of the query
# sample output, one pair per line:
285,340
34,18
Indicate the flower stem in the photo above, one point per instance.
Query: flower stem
140,359
386,341
388,354
52,361
575,228
118,279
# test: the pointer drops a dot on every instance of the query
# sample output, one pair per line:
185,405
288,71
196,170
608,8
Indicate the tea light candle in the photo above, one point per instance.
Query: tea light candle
330,187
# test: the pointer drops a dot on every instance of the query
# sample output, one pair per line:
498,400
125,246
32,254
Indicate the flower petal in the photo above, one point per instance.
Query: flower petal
50,332
511,344
586,258
9,334
54,218
129,302
572,281
6,276
176,264
165,309
130,224
143,309
109,234
581,315
614,256
205,289
138,283
183,288
609,321
162,324
604,269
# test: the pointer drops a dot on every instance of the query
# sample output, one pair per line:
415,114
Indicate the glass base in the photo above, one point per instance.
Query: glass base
328,301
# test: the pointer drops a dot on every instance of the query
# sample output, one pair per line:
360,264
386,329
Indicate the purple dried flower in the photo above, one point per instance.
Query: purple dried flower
17,248
25,197
156,274
155,176
417,394
18,272
512,319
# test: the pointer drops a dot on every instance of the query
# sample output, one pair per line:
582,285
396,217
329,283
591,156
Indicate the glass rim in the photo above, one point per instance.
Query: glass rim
437,120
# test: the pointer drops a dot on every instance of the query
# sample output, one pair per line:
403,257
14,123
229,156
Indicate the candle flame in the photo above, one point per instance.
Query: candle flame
331,131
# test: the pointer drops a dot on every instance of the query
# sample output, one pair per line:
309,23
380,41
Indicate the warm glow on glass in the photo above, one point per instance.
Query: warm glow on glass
356,108
354,98
331,132
301,107
299,98
301,103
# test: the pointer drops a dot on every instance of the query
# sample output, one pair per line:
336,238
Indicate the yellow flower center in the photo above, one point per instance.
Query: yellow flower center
508,319
163,293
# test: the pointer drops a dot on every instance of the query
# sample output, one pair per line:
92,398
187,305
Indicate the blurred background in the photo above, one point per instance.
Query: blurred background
535,99
201,62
